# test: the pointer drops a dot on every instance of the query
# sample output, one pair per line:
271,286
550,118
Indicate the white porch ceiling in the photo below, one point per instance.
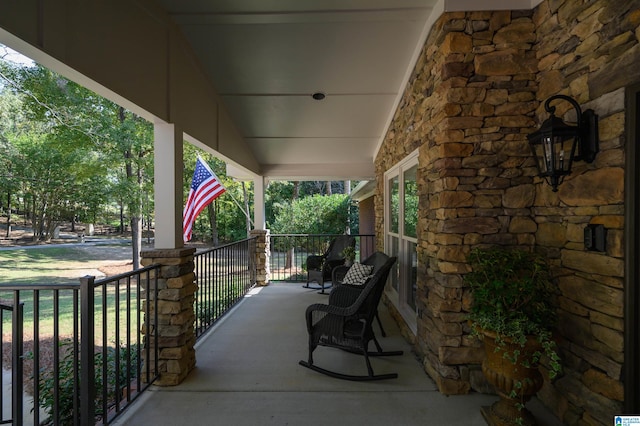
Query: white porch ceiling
266,59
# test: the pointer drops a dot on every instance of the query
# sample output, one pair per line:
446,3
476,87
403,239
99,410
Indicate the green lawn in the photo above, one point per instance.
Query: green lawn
48,265
60,265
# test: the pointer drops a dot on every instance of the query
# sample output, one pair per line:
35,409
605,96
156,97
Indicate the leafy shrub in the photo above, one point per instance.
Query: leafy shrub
514,297
317,214
65,383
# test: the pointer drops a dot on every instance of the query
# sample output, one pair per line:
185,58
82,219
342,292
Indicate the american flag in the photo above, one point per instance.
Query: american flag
205,187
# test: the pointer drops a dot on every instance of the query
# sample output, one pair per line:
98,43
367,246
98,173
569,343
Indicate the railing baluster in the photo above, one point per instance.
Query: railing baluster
56,358
105,352
302,246
225,274
128,332
76,360
116,303
3,309
18,361
87,352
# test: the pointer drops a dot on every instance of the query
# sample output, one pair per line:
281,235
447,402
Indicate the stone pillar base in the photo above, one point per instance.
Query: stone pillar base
175,316
262,255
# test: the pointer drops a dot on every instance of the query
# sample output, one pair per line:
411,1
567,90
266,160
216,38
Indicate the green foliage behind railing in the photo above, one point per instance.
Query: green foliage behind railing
62,387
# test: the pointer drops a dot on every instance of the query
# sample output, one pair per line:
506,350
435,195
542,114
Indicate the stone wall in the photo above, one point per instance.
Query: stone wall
262,250
588,51
475,94
175,317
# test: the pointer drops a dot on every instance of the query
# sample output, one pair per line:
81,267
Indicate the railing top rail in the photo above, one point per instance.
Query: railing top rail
6,306
22,287
76,286
210,249
126,274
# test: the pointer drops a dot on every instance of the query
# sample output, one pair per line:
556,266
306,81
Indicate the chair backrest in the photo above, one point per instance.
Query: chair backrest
339,244
377,260
371,294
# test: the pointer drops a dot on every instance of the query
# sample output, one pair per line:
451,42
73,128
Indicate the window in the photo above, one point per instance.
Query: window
401,219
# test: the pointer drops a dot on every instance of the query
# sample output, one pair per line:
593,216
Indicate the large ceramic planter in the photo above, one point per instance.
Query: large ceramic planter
514,382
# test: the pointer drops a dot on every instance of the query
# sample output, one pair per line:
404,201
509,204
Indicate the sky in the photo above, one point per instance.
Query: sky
11,55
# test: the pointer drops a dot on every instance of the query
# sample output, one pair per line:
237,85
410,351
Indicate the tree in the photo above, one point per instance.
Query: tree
86,127
10,116
316,214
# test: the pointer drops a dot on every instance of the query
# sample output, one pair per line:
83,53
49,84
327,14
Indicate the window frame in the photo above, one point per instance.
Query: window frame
401,273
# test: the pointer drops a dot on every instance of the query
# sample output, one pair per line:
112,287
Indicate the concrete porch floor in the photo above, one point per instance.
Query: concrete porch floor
247,373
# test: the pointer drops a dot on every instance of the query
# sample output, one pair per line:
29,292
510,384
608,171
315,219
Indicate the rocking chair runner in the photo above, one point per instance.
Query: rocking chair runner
345,323
319,267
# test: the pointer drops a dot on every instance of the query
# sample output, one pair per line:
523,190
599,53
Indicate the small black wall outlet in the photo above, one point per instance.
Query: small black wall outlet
595,237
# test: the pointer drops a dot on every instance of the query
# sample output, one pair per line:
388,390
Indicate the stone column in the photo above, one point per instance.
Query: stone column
262,255
176,317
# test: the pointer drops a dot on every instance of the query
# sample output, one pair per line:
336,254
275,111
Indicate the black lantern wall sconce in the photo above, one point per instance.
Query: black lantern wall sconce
557,144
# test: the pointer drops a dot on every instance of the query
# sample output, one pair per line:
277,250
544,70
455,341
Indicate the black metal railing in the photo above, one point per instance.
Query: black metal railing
78,349
225,274
289,252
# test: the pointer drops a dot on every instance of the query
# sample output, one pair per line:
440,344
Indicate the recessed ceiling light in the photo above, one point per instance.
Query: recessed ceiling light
318,96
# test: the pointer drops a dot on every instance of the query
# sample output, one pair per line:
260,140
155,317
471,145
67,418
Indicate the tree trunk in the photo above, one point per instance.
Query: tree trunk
296,190
211,210
121,218
135,206
328,188
136,239
8,213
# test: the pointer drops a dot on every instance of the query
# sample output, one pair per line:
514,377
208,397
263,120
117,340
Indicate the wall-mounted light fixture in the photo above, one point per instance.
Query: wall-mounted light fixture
556,144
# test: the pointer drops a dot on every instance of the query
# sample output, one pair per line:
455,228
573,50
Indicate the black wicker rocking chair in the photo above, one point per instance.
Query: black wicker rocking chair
346,323
377,260
320,266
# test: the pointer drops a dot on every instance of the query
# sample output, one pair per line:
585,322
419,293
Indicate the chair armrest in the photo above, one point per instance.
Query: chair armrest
344,295
321,311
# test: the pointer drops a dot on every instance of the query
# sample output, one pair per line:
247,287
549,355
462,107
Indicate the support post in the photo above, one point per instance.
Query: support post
168,165
259,221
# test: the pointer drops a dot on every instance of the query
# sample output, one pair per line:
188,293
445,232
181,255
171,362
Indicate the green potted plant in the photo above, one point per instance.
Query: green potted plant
513,312
349,254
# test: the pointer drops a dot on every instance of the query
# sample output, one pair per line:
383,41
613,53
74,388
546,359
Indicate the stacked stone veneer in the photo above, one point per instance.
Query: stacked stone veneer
175,325
476,92
261,258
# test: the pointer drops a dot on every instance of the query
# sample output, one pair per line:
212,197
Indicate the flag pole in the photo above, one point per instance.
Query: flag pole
246,214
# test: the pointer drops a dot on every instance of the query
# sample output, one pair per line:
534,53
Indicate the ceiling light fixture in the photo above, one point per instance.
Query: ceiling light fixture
318,96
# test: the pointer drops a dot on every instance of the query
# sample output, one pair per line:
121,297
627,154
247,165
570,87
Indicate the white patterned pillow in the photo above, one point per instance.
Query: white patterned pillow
358,274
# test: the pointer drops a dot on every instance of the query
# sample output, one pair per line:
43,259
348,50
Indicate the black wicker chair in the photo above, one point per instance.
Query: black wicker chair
377,260
319,267
345,323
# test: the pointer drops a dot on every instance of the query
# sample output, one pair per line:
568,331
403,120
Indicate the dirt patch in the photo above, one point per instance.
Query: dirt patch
116,268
